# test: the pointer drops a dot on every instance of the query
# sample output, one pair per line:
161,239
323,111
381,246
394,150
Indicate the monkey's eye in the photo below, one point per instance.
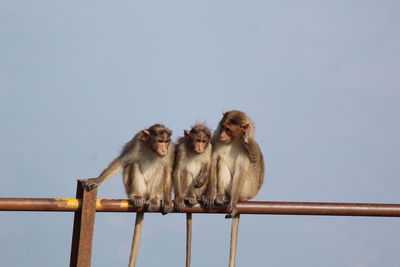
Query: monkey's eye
204,141
197,140
160,141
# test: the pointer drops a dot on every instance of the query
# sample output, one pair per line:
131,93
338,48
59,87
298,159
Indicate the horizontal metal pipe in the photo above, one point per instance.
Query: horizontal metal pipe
39,204
248,207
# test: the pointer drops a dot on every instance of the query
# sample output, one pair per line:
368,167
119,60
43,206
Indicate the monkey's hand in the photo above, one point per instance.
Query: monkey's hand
167,206
252,157
90,183
178,204
202,177
221,200
199,182
252,150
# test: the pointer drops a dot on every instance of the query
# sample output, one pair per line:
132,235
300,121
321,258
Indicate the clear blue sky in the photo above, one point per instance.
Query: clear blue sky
321,80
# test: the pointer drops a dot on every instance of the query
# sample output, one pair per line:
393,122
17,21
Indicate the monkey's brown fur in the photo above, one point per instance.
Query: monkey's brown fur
146,162
191,173
237,168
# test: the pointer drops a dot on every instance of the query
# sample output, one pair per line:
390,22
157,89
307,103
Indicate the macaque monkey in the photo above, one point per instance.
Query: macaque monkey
191,172
237,168
146,162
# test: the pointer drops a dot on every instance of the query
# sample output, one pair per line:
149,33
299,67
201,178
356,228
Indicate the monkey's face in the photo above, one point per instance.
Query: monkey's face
160,144
198,140
199,145
157,139
234,127
232,132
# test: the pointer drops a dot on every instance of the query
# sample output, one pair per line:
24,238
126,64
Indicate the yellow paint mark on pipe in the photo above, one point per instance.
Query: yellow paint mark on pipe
98,204
68,202
124,204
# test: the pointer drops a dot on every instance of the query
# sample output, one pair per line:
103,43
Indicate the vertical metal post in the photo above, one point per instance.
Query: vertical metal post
188,238
82,235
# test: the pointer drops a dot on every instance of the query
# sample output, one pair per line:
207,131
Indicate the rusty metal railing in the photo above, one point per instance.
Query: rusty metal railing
85,206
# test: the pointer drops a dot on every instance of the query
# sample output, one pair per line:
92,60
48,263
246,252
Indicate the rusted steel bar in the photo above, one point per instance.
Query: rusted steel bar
249,207
82,235
39,204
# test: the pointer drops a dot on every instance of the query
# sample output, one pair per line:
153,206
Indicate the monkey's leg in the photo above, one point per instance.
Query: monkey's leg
155,190
167,205
136,239
188,238
190,194
135,185
211,189
234,237
237,189
179,190
224,182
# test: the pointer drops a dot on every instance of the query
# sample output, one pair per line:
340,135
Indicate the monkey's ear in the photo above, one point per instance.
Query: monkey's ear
186,133
145,135
224,112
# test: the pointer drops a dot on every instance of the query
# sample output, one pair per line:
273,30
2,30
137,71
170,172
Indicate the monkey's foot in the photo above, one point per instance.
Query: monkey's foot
221,200
191,201
201,200
167,207
178,204
232,213
90,183
137,201
208,202
153,204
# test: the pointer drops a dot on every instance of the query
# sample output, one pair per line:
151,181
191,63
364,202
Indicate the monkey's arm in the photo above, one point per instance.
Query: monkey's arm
252,149
112,169
203,175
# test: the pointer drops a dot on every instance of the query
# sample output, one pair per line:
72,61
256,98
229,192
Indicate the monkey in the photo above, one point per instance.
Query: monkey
191,172
146,162
237,168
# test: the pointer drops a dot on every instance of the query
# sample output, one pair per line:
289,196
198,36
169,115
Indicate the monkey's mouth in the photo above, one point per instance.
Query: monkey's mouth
199,151
162,154
225,141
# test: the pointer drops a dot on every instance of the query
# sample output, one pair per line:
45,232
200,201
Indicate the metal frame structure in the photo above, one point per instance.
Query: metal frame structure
85,206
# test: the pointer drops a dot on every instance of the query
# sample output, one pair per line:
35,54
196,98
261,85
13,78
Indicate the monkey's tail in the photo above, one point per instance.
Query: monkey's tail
234,237
188,238
137,233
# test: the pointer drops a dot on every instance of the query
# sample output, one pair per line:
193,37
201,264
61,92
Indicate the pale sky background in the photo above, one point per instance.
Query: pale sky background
321,80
